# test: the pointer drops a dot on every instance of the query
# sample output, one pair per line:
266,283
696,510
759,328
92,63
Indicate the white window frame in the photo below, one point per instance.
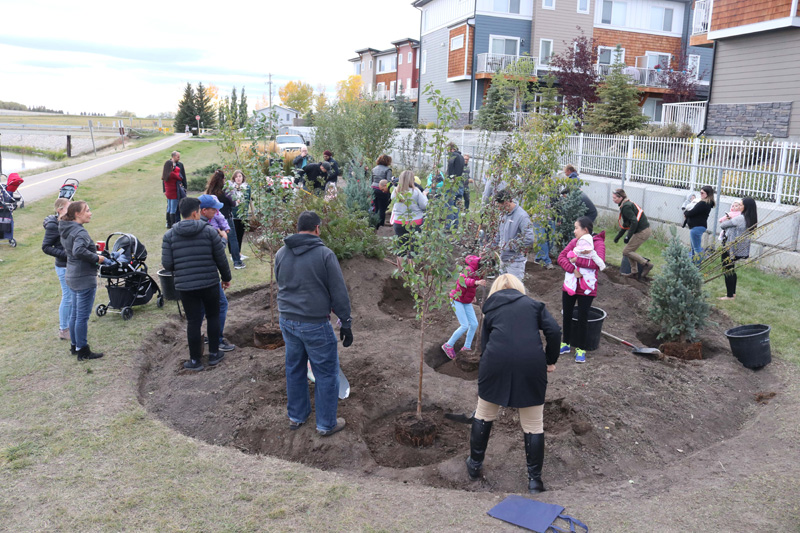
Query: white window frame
409,58
408,87
506,38
588,7
655,101
552,5
508,7
370,64
658,54
424,67
611,20
457,42
613,49
392,88
542,59
663,9
380,87
399,59
696,71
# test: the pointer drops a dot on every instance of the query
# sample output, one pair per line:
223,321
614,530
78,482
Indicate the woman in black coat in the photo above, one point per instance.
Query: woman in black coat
513,372
51,245
697,220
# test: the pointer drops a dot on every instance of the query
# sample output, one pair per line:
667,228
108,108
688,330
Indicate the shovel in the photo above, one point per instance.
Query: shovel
636,349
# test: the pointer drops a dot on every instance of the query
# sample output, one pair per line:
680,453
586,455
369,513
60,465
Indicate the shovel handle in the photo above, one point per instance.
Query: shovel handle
626,343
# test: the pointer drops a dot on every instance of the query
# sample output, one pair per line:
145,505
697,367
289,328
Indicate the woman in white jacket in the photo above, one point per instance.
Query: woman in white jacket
408,211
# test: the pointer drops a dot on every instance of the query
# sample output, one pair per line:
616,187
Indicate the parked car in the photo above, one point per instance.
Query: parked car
287,145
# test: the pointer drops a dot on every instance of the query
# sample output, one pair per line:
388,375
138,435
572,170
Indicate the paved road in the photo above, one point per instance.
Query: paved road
47,184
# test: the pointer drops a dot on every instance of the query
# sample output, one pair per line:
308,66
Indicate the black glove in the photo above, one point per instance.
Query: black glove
346,334
626,239
616,239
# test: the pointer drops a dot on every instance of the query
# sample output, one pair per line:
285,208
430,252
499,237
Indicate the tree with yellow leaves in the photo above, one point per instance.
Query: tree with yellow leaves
298,95
349,90
320,99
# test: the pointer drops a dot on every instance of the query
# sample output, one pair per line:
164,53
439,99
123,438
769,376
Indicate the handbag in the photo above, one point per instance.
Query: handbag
181,191
533,515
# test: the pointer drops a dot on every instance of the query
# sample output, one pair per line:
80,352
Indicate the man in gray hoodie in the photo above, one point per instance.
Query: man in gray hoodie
514,236
310,286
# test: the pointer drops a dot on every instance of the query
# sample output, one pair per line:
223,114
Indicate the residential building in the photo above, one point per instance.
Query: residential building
756,65
408,67
364,66
385,73
286,115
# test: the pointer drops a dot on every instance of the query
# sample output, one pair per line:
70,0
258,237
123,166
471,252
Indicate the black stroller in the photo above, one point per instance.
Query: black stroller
69,189
10,199
127,281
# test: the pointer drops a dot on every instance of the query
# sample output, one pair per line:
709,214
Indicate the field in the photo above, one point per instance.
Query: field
78,120
83,446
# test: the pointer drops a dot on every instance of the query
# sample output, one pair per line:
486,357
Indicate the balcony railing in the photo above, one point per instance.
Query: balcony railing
411,93
491,63
702,10
691,113
384,94
646,77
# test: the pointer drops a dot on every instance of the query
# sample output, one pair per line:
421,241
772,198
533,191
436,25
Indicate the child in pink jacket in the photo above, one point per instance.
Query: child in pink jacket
461,300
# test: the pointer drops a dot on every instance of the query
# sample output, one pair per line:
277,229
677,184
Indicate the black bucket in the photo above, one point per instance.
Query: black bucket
750,344
168,285
593,327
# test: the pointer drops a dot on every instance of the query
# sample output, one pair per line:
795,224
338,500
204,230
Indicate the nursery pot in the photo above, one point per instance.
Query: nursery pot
168,285
625,267
750,344
594,326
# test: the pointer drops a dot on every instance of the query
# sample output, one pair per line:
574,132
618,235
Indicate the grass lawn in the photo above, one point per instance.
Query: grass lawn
80,120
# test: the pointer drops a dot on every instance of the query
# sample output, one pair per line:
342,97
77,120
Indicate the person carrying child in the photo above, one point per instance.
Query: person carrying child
587,282
461,300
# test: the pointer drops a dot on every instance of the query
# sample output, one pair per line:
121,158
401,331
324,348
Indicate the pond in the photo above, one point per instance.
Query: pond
13,162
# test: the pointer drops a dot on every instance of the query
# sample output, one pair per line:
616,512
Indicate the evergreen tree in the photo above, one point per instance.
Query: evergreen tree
187,109
222,111
678,303
242,109
569,208
233,109
204,107
403,110
494,115
618,110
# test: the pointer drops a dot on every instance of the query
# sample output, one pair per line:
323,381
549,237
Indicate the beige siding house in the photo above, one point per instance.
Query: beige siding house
554,22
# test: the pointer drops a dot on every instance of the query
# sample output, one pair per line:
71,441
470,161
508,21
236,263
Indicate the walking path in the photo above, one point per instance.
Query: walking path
47,183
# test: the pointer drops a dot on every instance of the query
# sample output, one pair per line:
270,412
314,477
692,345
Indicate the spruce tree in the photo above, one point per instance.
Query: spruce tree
242,109
233,109
222,111
186,110
403,110
494,115
618,110
204,107
678,303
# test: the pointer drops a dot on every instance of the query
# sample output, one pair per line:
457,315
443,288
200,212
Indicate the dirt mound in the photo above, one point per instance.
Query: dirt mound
608,419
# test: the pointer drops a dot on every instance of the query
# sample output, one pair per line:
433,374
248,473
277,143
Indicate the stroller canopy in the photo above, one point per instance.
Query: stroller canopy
13,183
131,247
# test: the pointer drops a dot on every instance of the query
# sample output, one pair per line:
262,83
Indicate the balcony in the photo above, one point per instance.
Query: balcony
411,94
691,113
702,12
384,94
491,63
645,77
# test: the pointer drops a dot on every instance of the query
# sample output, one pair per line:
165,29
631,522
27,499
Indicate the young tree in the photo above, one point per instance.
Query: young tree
187,109
403,110
350,89
204,107
242,109
618,110
516,84
298,95
494,115
577,79
358,126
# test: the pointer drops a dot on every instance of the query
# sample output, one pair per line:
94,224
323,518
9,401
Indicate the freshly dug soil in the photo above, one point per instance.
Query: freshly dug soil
606,420
688,351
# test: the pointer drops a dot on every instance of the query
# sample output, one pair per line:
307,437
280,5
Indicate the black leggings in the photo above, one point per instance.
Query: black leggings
238,225
728,268
403,235
193,304
381,200
578,339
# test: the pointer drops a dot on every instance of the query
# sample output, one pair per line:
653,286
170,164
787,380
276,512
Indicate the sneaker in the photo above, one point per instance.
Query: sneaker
549,266
465,350
340,423
449,351
295,425
239,265
192,364
63,334
225,347
565,348
215,358
580,356
205,339
243,257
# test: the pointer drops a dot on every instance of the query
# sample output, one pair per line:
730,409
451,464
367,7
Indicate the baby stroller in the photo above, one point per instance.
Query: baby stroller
127,281
10,200
69,189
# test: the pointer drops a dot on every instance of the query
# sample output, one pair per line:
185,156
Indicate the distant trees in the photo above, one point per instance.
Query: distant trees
298,95
349,90
16,106
618,109
124,113
494,115
403,111
232,111
195,103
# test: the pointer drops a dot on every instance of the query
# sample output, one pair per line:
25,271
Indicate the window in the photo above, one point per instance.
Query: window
653,108
583,6
399,59
392,88
409,58
287,117
457,42
693,65
506,6
424,61
408,84
370,64
614,13
661,18
358,69
545,51
504,45
606,55
657,60
548,4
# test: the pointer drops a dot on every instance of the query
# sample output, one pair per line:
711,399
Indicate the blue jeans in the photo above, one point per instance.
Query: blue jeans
315,343
696,236
223,312
82,303
543,255
65,308
172,206
233,242
469,323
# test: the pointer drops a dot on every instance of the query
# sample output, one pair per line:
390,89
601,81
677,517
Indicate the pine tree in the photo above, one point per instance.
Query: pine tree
187,109
242,109
403,110
204,107
618,110
678,303
494,115
233,109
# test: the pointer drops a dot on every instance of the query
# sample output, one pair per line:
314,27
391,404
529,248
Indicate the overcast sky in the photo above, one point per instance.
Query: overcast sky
101,56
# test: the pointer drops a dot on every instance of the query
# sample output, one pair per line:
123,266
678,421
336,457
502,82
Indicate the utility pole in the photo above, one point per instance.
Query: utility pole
270,89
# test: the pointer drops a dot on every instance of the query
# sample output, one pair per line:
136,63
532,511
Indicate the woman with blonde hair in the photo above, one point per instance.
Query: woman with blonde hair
51,245
513,372
408,211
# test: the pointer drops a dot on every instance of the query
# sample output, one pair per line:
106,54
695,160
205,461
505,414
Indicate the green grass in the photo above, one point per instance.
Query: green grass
761,297
55,155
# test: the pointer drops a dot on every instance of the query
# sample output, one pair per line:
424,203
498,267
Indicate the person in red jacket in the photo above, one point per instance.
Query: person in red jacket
171,181
576,336
462,297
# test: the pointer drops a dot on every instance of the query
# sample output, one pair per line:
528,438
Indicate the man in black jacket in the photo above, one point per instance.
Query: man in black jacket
193,251
310,286
316,174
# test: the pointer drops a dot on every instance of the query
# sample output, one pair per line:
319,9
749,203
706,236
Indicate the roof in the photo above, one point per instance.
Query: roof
282,107
406,40
387,52
365,50
420,3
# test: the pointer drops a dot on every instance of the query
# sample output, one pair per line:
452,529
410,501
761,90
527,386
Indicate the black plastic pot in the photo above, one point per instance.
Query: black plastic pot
594,326
168,285
750,345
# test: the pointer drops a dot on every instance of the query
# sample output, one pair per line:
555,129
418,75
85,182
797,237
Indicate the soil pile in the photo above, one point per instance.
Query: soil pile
606,420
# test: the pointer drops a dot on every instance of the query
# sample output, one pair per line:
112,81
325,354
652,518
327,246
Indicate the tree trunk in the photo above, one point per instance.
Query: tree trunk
272,290
421,363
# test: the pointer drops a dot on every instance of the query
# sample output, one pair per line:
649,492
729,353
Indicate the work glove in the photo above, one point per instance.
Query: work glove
346,335
626,239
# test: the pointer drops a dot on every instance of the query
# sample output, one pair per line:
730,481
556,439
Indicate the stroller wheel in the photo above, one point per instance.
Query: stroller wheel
12,242
101,310
160,301
127,313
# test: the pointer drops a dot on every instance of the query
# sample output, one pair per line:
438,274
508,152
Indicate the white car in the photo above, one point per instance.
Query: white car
287,144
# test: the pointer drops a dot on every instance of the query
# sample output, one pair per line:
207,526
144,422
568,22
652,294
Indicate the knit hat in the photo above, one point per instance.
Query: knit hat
327,153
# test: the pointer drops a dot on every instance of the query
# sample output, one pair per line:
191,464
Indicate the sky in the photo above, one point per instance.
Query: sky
102,57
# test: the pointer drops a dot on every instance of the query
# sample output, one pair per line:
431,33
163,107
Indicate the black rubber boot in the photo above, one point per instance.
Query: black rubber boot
73,350
478,440
534,456
169,220
86,353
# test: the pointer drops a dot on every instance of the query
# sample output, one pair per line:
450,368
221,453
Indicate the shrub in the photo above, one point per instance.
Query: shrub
569,208
197,183
671,131
468,127
431,125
